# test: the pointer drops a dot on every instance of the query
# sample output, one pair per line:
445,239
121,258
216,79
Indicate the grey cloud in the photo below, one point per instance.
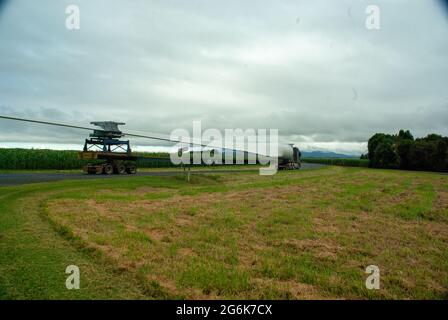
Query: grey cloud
159,65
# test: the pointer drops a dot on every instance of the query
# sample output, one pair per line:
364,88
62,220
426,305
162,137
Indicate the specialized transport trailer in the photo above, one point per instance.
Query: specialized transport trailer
113,162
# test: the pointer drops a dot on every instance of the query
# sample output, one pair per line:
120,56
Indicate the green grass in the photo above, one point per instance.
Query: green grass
34,257
298,234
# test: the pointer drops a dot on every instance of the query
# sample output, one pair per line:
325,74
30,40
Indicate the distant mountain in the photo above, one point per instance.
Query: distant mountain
325,154
316,154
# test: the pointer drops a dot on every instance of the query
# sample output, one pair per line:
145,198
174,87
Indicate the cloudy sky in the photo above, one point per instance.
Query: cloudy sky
310,69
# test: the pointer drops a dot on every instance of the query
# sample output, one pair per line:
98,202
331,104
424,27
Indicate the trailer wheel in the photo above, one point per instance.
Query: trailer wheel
131,169
108,169
119,169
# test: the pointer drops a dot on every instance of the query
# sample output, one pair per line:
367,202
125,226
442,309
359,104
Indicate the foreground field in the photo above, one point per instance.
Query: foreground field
295,235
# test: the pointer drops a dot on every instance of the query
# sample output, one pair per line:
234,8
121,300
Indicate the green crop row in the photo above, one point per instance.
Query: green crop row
42,159
345,162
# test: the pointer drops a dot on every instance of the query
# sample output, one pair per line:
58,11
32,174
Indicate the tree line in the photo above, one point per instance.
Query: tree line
402,151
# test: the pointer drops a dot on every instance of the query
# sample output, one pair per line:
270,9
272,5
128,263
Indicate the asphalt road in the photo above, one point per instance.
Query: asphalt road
11,179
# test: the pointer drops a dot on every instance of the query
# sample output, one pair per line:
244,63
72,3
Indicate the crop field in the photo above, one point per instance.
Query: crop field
44,159
345,162
295,235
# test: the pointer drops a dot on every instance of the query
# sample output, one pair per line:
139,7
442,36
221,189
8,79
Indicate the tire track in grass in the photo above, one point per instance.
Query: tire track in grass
33,256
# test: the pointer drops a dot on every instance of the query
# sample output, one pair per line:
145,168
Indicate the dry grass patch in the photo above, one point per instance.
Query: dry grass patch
297,235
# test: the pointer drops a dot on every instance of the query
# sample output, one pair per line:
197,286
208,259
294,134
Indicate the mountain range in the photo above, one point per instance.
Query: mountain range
325,154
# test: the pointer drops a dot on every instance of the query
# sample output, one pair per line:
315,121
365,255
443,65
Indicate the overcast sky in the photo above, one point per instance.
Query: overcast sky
308,68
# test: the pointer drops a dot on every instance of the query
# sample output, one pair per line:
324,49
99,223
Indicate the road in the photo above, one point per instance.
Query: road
11,179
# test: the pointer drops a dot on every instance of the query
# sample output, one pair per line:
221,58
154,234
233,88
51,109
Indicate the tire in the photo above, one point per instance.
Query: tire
108,169
131,169
119,169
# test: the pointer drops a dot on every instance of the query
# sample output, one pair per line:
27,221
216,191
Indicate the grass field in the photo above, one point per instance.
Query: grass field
295,235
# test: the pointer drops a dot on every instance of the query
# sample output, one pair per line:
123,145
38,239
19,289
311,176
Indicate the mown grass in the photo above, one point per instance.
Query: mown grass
305,234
